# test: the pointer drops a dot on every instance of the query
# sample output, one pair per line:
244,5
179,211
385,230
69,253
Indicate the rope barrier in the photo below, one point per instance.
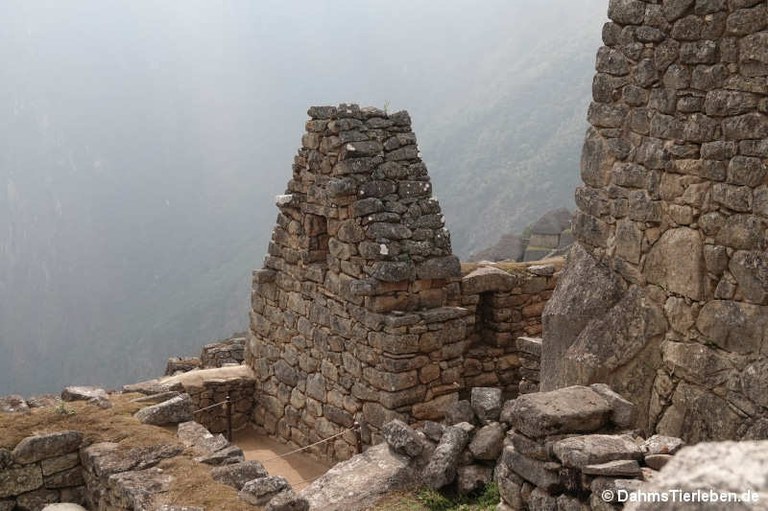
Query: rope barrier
289,453
209,407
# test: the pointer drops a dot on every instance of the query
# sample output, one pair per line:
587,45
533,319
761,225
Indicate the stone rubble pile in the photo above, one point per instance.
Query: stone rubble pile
559,450
573,449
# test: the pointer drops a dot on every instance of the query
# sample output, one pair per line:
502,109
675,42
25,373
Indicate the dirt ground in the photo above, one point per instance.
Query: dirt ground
299,469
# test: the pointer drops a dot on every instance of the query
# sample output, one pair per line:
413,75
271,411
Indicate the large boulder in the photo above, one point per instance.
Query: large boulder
40,447
574,409
237,474
175,410
195,435
81,393
361,480
260,491
586,290
402,438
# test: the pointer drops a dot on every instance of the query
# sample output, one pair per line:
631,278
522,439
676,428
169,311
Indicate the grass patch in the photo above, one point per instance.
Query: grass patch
192,484
431,500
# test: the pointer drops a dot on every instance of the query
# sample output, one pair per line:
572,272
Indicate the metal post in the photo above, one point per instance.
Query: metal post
358,436
228,405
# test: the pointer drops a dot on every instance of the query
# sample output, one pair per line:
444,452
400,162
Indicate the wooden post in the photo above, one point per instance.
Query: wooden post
228,405
358,436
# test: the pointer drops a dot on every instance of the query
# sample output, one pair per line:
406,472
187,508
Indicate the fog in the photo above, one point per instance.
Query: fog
142,143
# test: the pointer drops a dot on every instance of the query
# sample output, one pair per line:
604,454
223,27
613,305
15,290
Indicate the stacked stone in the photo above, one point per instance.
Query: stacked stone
228,352
177,365
242,395
503,306
120,479
40,470
462,451
570,449
672,221
217,354
529,349
348,318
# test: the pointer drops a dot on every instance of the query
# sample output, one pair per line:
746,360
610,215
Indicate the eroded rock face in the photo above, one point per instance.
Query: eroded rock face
664,294
723,467
586,290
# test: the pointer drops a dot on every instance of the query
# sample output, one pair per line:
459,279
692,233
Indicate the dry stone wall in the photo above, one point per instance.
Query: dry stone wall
665,295
360,312
40,470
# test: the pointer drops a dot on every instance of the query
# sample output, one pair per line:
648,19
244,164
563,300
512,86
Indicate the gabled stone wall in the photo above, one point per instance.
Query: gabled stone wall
360,312
665,296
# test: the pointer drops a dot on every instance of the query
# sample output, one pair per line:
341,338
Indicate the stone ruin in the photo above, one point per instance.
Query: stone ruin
665,295
361,312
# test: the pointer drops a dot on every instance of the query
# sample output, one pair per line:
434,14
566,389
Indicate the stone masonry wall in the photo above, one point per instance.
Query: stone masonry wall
360,313
665,295
209,391
40,470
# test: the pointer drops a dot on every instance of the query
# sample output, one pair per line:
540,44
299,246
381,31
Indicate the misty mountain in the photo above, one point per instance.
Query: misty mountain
142,143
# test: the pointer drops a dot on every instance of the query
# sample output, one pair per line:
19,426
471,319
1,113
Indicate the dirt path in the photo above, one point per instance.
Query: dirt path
299,469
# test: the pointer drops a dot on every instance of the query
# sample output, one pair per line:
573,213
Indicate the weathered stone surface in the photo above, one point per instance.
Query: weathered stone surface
139,489
106,458
441,469
15,481
485,279
65,479
623,340
543,474
227,456
288,500
197,436
460,411
472,477
657,461
664,267
79,393
51,445
580,451
734,326
59,463
237,474
573,409
722,467
360,481
487,442
402,438
623,412
64,507
36,500
750,269
156,386
260,491
13,404
586,289
173,411
618,468
486,403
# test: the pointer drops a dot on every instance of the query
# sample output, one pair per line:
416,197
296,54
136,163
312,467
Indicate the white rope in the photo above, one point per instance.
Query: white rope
307,447
209,407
